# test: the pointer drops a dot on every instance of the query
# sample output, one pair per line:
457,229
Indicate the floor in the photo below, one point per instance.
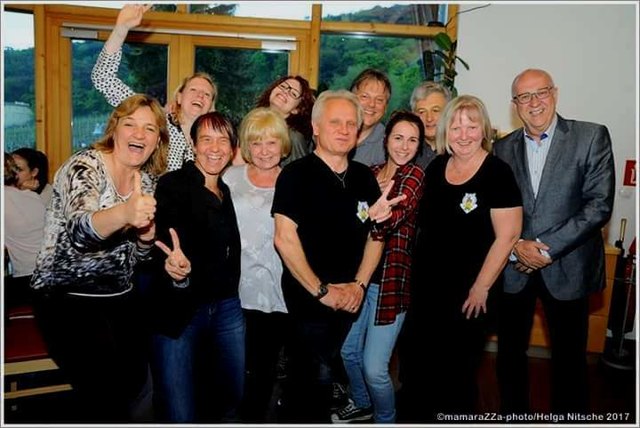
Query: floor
613,393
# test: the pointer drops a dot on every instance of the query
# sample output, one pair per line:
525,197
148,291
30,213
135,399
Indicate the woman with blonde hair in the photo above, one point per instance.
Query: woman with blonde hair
99,225
469,218
196,94
264,142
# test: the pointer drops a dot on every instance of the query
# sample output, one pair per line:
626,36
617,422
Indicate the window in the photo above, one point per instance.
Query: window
240,75
19,88
383,12
90,109
342,58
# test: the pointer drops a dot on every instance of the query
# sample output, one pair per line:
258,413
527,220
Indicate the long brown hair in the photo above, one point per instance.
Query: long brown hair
300,121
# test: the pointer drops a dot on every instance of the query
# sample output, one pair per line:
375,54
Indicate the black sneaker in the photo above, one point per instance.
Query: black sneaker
339,397
351,413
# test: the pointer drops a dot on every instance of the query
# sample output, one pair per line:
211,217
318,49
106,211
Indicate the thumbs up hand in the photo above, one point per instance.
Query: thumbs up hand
140,208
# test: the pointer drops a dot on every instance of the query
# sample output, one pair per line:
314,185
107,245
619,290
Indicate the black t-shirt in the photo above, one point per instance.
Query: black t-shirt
332,234
456,230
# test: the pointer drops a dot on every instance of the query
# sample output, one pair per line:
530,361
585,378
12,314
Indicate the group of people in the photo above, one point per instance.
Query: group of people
316,229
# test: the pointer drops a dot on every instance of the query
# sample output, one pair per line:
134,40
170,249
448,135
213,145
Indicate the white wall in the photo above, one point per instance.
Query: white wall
590,51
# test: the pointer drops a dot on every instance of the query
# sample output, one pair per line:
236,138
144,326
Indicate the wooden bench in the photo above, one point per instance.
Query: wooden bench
25,353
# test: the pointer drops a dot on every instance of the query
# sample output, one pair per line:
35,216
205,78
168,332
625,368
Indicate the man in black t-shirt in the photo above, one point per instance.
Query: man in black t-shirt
324,206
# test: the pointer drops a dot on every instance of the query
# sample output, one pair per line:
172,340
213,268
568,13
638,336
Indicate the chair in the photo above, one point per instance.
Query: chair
26,354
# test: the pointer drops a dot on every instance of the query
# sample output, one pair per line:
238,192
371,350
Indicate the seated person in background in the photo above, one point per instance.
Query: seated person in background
373,89
292,98
33,172
23,234
264,141
428,101
99,225
195,95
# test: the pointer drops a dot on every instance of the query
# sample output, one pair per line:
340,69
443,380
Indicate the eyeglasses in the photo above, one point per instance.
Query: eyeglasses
540,94
295,94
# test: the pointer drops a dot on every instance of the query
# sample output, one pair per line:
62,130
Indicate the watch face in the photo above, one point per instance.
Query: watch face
322,291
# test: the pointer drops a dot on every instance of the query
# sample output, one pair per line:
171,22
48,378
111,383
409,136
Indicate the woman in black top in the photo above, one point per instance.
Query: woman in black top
197,312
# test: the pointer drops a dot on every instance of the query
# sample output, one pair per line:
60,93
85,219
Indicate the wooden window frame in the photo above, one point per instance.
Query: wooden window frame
53,52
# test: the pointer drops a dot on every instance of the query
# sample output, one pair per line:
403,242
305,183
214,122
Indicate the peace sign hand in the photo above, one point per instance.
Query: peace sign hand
177,265
381,210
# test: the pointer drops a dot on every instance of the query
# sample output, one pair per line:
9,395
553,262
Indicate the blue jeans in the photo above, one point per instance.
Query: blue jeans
213,342
366,353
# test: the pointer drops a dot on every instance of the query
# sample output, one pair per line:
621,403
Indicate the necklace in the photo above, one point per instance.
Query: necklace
342,177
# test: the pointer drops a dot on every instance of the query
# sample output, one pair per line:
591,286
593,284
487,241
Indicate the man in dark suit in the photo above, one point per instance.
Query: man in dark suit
565,172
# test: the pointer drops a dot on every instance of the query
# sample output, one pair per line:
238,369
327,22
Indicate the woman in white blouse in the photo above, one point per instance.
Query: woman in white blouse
264,141
195,96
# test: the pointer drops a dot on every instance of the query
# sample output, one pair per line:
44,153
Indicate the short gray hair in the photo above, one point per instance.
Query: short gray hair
426,88
342,94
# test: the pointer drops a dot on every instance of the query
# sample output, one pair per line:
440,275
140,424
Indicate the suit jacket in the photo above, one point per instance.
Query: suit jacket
574,202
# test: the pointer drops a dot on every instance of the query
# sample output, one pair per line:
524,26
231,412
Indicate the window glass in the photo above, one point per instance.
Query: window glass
300,10
241,76
18,85
90,109
342,58
384,12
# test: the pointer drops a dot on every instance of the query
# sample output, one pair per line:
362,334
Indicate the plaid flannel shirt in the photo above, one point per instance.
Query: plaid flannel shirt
399,232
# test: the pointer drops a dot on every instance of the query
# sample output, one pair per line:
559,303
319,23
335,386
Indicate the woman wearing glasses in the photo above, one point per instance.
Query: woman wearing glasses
293,98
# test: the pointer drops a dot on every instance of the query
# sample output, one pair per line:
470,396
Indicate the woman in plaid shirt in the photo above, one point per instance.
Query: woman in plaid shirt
368,347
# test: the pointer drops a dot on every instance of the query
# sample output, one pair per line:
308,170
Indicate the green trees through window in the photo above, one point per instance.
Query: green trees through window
241,74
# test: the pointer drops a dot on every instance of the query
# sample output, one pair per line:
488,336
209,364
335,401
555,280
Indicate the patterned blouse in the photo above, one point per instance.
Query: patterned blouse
105,80
399,230
74,258
261,267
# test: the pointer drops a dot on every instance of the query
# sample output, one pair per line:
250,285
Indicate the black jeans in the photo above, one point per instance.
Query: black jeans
568,324
315,345
101,346
266,334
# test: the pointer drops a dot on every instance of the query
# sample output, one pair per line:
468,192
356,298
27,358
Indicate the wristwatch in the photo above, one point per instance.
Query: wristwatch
322,291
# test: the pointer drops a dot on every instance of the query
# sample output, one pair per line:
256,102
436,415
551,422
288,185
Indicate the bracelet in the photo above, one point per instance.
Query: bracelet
361,284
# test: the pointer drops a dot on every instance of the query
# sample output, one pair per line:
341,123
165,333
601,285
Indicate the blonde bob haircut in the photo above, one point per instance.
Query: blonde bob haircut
261,123
157,162
475,110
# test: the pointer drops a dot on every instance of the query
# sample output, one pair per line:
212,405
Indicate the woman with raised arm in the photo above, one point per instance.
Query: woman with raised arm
195,95
98,226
